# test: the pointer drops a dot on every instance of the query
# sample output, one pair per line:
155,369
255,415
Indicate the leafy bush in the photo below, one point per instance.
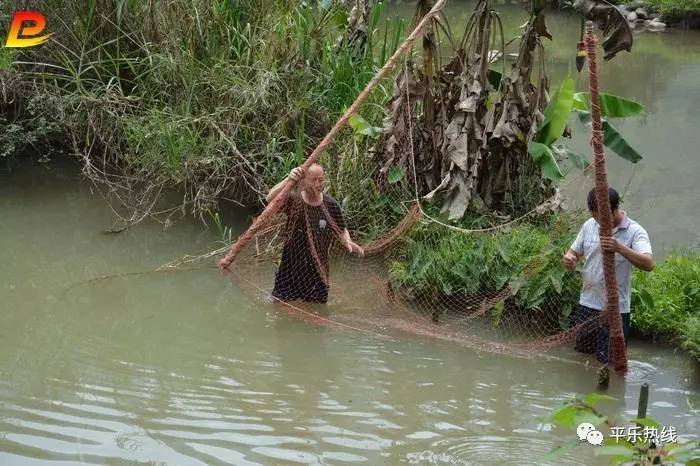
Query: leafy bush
666,298
526,257
690,335
666,302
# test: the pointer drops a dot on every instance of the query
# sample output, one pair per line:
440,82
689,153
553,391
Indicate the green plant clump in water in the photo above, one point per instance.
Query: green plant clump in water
620,451
666,302
525,257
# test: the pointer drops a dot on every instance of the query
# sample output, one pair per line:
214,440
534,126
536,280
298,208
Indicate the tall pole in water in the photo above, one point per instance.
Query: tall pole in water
617,351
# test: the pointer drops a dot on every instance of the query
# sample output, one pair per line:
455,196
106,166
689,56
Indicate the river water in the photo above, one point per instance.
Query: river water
182,369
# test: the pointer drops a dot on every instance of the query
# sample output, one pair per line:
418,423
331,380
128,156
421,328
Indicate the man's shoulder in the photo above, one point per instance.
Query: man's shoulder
635,226
330,200
589,225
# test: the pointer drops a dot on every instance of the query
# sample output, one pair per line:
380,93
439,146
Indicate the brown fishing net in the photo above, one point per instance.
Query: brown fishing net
439,260
497,288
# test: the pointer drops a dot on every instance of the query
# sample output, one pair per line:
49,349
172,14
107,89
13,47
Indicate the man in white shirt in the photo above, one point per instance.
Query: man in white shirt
631,245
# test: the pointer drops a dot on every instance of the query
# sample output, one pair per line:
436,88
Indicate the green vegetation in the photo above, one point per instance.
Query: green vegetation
526,258
217,98
666,302
673,11
619,451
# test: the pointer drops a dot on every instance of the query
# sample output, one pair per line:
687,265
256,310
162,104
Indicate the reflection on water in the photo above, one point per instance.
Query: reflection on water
181,369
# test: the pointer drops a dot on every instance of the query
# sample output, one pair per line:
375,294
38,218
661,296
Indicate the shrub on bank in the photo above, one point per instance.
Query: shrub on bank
666,302
439,263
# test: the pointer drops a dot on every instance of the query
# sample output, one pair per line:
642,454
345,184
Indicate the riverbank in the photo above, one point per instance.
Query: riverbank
683,14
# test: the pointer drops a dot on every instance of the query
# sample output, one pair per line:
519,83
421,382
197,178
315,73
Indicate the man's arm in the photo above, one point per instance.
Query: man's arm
570,259
294,176
641,260
351,245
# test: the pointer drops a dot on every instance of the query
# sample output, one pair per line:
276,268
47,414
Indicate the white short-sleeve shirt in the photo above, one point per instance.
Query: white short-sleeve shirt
587,243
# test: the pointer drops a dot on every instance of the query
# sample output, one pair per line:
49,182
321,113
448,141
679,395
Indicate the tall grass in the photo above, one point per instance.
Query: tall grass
222,97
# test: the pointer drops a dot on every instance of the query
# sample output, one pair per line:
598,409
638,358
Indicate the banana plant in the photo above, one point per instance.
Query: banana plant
543,147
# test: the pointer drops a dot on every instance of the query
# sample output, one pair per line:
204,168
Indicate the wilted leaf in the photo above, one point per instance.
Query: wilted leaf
539,24
611,106
617,34
543,156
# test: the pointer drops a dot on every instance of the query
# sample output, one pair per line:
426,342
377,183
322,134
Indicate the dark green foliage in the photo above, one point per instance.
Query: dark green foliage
666,302
525,257
220,97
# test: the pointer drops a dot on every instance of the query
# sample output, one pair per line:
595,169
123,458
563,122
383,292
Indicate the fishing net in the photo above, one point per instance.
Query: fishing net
474,258
499,287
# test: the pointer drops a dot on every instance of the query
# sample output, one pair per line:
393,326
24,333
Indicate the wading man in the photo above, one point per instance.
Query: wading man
631,245
314,219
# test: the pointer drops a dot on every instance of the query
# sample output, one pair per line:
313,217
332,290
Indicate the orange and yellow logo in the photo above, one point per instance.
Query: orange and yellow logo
25,29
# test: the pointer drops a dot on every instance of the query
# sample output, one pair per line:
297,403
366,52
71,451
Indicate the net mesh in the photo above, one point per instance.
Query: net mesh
499,288
490,277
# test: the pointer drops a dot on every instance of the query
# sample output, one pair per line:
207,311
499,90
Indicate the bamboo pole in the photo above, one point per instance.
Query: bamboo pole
281,198
618,352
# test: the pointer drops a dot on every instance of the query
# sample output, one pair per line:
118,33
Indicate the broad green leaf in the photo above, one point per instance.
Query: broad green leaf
556,452
646,299
592,398
494,77
613,139
543,156
579,161
396,174
565,416
361,126
556,115
611,106
587,416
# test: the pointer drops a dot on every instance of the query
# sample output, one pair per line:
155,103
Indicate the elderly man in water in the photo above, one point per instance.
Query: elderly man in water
314,218
631,245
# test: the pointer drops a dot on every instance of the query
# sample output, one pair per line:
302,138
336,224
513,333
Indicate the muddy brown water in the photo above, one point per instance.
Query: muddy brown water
183,369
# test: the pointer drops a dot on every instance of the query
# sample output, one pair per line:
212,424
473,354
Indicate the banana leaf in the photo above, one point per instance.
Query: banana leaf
612,138
611,106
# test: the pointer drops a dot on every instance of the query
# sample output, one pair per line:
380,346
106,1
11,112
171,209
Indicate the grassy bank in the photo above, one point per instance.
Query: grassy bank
216,98
666,302
441,265
684,13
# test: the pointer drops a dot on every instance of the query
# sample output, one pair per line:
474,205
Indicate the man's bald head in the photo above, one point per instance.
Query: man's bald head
316,168
315,179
